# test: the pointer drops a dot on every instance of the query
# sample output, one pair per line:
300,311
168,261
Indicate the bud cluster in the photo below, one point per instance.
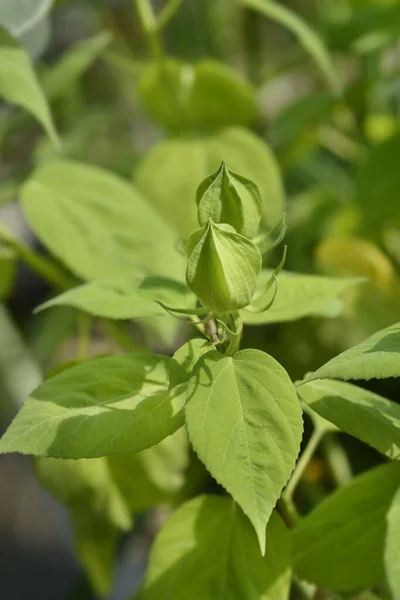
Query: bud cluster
224,263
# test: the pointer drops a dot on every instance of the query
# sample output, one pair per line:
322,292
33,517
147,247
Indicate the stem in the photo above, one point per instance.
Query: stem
167,13
337,460
288,512
236,334
43,266
302,463
150,27
84,329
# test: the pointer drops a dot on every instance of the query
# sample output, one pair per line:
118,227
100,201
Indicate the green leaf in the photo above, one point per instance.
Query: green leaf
97,511
206,95
19,85
392,547
347,531
8,266
378,357
208,549
57,80
154,476
378,183
306,36
223,268
20,16
245,423
173,191
188,354
302,296
361,413
124,299
102,407
97,224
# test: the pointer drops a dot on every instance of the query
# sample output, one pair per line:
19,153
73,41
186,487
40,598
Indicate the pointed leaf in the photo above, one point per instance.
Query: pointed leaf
18,83
102,407
124,299
208,549
97,510
97,224
245,423
392,546
361,413
348,530
376,358
307,37
302,296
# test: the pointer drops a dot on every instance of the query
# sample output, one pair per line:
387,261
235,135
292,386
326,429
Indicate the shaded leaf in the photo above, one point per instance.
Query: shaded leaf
302,296
19,85
57,79
124,299
7,271
306,36
97,511
173,190
245,423
361,413
348,530
378,357
188,354
206,95
102,407
392,546
97,224
208,549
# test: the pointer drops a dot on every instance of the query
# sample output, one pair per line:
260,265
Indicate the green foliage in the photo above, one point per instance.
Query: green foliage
361,413
97,511
206,95
20,17
68,206
244,411
307,37
173,190
392,549
347,531
302,296
7,271
376,358
102,407
207,549
19,85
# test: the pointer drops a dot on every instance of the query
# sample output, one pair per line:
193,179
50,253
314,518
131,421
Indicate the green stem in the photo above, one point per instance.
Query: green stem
43,266
84,330
236,334
150,27
288,512
303,461
167,13
337,460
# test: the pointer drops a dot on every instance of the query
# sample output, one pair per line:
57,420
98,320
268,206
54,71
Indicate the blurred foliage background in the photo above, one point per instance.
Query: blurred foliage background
301,95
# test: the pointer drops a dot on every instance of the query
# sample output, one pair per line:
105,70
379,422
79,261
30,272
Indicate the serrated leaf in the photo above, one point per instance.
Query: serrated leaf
348,530
378,357
302,296
392,547
153,476
97,511
361,413
97,224
57,79
19,85
205,95
21,16
102,407
245,423
173,191
124,299
305,34
208,549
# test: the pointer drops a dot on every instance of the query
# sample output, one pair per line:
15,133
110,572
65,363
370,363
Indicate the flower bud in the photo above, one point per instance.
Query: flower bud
227,197
223,267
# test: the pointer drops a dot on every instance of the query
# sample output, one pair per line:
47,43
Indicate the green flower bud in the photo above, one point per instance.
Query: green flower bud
223,267
227,197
